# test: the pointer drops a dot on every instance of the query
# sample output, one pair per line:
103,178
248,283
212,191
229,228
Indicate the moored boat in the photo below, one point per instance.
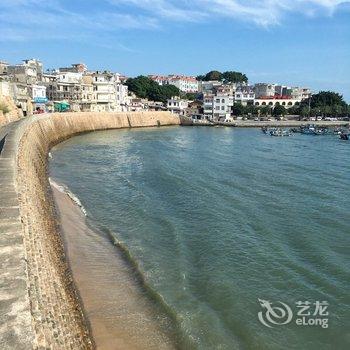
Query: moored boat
344,136
280,132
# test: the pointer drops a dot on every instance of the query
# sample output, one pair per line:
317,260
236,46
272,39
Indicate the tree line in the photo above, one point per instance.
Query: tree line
325,104
145,87
226,77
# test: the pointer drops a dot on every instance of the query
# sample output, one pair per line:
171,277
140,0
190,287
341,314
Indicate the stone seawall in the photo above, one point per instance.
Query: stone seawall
39,307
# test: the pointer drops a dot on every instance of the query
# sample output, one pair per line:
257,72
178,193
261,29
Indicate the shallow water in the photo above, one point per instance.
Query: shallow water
217,218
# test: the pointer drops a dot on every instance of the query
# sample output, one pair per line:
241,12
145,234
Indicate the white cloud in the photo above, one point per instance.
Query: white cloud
261,12
51,19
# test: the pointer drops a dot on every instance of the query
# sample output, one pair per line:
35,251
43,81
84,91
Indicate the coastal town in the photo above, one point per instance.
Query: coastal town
27,88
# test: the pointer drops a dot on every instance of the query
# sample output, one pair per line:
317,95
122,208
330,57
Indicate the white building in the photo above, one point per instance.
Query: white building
222,105
104,93
177,105
39,99
69,77
272,102
122,98
207,87
264,90
184,83
244,97
208,106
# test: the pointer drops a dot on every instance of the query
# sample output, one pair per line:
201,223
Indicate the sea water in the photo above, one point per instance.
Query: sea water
242,238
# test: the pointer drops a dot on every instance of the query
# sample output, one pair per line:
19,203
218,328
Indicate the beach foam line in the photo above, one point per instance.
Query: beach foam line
64,189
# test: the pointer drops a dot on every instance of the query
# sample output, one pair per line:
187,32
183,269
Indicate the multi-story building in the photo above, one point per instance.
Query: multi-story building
29,72
104,93
209,87
122,97
74,68
264,90
222,106
208,110
160,79
244,97
177,105
38,95
287,102
182,82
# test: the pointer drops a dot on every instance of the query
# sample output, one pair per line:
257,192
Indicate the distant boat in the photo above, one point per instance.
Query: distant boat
344,136
279,132
313,130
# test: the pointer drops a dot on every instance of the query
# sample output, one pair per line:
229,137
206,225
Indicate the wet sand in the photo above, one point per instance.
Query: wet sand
121,316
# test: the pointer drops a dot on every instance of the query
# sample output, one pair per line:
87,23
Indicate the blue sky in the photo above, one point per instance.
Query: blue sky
294,42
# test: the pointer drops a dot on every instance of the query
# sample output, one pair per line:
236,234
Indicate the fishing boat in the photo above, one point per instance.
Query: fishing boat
321,131
279,132
344,136
313,130
308,130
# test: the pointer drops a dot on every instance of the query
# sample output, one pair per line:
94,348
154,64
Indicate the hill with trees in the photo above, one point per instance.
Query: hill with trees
227,77
145,87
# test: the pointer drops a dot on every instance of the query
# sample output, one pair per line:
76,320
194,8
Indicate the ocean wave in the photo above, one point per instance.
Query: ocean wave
183,338
64,189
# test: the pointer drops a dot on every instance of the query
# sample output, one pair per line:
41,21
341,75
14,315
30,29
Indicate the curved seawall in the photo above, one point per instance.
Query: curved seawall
39,306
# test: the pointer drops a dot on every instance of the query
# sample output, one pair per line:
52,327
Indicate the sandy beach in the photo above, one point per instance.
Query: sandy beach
120,314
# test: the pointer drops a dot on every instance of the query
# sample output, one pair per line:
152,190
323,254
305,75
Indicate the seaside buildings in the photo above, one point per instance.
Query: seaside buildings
35,91
182,82
76,88
177,105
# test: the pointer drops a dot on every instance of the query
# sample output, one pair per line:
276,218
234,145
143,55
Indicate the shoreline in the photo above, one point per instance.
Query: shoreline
40,307
113,302
276,123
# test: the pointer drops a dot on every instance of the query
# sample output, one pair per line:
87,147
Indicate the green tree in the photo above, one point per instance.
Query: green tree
145,87
213,75
304,111
190,96
227,77
279,110
265,110
234,77
326,103
238,109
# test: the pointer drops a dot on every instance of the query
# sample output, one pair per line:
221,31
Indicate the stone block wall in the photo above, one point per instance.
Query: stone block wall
39,306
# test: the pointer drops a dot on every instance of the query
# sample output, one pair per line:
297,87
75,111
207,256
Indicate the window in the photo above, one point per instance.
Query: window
222,108
223,100
217,100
